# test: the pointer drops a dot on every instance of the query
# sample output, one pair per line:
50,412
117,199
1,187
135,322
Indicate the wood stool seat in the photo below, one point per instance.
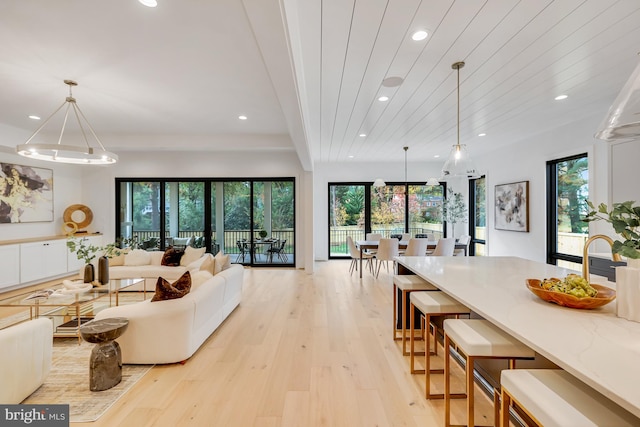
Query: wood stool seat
478,339
405,284
555,398
430,304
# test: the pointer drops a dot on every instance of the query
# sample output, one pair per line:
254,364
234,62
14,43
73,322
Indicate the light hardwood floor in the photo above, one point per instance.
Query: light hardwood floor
300,350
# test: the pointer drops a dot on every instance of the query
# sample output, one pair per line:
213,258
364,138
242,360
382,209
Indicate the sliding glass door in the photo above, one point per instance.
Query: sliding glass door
252,220
359,208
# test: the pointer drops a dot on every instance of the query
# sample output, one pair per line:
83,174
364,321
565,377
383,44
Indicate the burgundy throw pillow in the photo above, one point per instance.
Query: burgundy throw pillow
172,257
178,289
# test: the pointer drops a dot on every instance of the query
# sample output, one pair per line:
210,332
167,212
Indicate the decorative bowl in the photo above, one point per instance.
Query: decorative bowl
605,296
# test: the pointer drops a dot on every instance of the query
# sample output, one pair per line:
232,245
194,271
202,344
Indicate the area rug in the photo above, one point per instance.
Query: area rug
68,382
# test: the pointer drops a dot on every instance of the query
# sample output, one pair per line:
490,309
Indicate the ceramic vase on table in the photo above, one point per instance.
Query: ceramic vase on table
103,270
89,273
628,290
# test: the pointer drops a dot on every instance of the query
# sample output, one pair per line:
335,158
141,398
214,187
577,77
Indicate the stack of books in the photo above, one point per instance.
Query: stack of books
71,326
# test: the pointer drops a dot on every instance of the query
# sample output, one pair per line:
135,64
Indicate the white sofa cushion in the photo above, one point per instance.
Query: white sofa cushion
137,257
25,358
191,254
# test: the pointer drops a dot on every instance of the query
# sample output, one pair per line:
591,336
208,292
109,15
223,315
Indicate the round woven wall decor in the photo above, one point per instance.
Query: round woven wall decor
87,215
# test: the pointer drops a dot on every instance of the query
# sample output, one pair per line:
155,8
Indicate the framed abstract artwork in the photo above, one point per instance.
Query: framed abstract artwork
26,194
512,206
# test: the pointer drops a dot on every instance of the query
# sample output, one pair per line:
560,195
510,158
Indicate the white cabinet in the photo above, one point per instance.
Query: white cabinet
73,263
41,260
9,265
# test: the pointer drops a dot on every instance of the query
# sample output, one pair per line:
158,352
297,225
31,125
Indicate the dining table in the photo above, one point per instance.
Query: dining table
597,347
363,245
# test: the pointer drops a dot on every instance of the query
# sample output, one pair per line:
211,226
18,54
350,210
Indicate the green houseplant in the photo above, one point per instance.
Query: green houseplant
625,219
454,209
88,252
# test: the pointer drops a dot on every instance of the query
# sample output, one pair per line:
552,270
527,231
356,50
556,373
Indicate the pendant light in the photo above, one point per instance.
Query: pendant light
62,153
379,182
459,165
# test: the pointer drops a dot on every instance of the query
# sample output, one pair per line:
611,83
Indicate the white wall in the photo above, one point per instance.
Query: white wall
67,190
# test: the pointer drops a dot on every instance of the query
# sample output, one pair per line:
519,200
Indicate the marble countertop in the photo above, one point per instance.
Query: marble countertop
596,346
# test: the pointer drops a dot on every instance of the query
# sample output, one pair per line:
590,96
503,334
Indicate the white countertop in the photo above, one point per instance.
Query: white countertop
596,346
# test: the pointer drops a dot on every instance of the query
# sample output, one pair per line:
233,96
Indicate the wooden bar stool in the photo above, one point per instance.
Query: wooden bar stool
431,304
477,339
406,284
555,398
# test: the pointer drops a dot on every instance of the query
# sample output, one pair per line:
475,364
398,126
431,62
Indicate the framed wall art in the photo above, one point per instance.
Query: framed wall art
512,206
26,194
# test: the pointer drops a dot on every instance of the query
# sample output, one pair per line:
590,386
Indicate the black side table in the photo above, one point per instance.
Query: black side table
105,365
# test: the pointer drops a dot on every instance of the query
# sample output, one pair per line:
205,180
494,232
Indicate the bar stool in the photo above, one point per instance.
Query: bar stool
431,304
555,398
406,283
477,339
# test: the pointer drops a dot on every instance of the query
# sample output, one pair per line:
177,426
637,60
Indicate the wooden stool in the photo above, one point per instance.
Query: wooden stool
431,304
406,284
553,397
477,339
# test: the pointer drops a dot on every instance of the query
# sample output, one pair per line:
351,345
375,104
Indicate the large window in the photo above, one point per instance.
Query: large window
478,216
253,220
358,208
567,190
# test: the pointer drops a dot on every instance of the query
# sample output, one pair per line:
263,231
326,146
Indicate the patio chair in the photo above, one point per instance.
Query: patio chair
244,249
278,249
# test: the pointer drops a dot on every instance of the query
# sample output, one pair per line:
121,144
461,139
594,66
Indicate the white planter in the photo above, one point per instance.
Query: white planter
628,290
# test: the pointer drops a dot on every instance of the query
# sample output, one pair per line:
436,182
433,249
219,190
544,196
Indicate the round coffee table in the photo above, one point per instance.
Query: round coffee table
105,365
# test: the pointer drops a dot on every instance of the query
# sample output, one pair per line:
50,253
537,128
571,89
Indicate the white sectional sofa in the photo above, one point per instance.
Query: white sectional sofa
25,358
171,331
152,269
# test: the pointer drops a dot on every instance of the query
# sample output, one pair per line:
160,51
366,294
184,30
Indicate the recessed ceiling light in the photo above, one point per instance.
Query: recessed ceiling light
436,156
482,134
351,156
383,98
392,81
362,135
561,97
34,117
149,3
242,117
419,35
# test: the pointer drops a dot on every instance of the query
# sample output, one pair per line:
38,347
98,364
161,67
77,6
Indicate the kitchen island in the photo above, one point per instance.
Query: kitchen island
596,346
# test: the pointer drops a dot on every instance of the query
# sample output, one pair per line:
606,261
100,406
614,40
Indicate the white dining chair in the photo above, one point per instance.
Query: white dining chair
387,251
444,247
354,252
373,236
463,240
416,247
405,237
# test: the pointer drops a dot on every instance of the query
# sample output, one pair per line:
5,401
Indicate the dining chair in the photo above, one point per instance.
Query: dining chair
354,253
463,240
277,248
444,247
387,251
416,247
373,236
405,237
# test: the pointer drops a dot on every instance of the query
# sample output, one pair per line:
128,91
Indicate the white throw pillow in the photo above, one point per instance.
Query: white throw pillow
222,262
137,257
190,255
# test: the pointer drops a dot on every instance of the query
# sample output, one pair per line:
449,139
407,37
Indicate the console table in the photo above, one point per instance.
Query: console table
595,346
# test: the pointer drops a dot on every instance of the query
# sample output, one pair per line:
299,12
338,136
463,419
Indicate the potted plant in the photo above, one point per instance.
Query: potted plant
87,253
262,234
625,219
454,209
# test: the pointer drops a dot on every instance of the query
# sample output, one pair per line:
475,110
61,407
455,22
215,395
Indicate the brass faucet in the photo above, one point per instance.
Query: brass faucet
585,253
